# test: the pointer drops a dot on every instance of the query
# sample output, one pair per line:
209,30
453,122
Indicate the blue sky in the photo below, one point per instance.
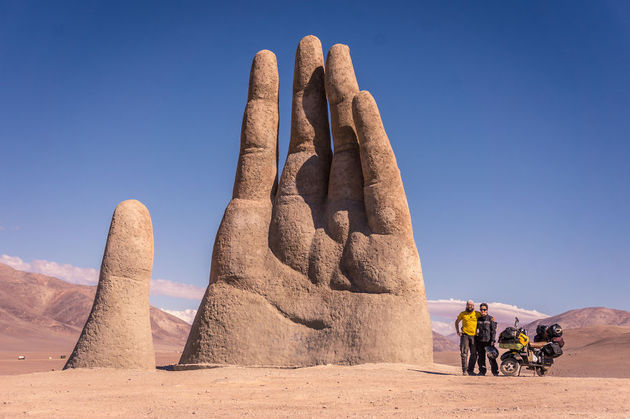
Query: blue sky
509,120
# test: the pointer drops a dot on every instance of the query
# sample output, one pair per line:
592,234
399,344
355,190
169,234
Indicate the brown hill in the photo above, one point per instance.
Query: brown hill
584,317
40,312
443,344
595,351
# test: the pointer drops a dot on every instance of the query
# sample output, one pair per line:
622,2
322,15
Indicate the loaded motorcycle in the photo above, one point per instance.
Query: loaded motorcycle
521,352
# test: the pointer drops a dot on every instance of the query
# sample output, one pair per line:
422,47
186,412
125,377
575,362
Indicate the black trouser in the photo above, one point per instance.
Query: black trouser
481,358
466,346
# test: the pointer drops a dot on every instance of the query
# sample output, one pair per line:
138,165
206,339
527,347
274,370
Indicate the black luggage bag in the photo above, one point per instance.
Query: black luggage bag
552,350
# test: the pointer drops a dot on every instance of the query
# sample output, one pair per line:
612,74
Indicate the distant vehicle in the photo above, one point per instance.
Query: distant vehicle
21,357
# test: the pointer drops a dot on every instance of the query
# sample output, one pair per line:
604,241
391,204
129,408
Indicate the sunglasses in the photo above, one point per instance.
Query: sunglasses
484,309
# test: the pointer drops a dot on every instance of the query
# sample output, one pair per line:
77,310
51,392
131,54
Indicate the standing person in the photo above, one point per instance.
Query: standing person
467,337
486,332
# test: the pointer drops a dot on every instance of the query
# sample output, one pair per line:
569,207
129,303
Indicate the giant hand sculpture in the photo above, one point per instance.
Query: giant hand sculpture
323,267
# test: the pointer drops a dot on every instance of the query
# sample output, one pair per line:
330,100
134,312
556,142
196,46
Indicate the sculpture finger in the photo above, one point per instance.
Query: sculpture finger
304,181
117,333
345,189
256,173
385,200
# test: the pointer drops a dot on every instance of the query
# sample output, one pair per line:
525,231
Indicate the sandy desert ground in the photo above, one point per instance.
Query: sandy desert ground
324,391
43,361
582,383
36,386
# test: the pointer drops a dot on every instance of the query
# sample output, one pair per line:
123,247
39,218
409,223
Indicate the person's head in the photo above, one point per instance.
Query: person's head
483,307
470,305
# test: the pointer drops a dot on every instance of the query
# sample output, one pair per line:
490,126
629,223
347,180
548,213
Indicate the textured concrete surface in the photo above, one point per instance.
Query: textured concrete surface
322,267
117,333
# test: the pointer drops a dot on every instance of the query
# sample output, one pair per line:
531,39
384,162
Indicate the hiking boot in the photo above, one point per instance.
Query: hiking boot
464,372
471,373
496,374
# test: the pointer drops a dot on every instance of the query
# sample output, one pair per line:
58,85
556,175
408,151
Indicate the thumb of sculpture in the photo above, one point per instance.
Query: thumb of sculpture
117,333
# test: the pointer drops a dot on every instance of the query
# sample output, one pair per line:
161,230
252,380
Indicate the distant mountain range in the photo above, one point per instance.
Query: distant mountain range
584,317
41,312
589,317
443,344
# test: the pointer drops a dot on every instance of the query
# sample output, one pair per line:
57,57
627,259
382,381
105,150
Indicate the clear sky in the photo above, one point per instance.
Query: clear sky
509,120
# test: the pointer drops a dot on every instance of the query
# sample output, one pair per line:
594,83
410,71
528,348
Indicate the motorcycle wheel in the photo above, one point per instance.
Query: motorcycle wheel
509,366
540,371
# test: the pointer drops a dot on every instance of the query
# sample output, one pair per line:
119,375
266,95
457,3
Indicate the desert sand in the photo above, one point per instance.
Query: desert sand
31,388
325,391
597,352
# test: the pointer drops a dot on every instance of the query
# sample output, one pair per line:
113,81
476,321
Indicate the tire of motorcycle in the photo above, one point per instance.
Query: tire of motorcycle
510,366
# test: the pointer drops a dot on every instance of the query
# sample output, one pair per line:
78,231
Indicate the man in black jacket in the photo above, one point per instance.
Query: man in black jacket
486,332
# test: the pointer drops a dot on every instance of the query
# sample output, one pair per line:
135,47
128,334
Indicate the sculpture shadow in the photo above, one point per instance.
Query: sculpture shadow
431,372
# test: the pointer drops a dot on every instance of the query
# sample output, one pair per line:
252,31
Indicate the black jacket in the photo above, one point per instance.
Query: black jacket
486,329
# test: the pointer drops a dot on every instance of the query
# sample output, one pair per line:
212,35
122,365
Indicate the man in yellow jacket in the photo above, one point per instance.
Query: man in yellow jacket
467,337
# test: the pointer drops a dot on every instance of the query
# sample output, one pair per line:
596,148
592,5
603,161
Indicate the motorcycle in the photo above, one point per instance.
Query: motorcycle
522,353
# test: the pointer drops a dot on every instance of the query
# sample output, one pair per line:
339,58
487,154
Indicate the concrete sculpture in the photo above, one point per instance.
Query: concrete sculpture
117,333
321,267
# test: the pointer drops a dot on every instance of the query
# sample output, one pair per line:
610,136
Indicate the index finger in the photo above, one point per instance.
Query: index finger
256,173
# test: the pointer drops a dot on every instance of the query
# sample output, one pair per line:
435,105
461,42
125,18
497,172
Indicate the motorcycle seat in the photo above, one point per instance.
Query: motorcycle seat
537,345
